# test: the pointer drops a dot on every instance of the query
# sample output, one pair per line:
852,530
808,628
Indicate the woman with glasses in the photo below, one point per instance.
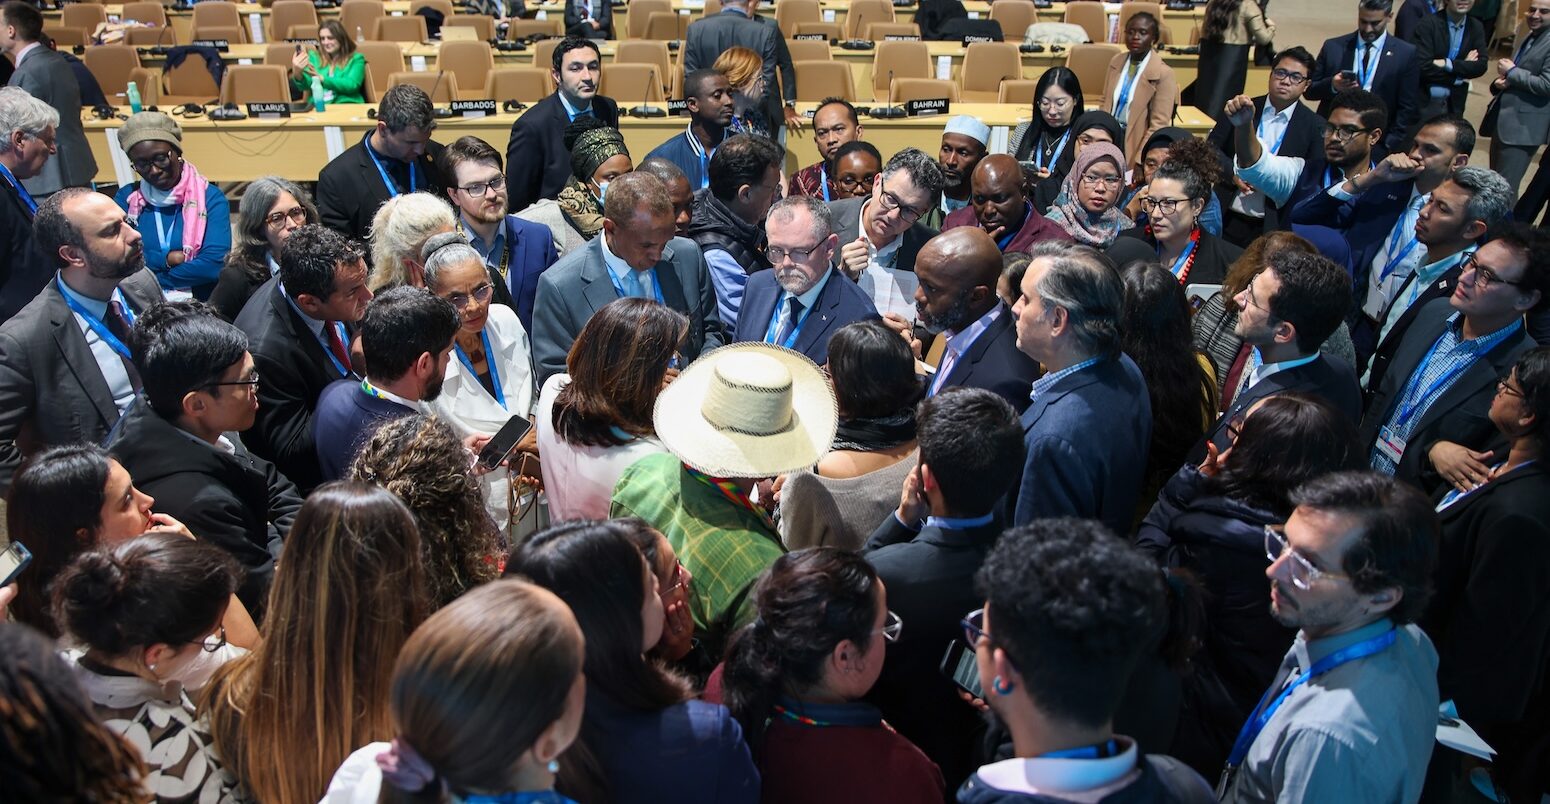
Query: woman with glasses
1043,144
854,166
271,209
677,642
595,419
1211,520
1089,205
795,678
650,739
183,218
490,378
142,613
1181,146
1174,202
1488,621
1231,28
1089,129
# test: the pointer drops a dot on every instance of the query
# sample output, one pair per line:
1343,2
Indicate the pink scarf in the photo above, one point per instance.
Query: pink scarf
189,193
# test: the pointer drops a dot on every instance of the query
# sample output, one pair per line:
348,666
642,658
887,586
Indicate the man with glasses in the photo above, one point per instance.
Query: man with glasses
1352,713
728,217
1000,208
834,123
179,440
801,301
1372,60
1428,412
1283,126
28,129
406,336
515,251
395,157
881,235
1449,48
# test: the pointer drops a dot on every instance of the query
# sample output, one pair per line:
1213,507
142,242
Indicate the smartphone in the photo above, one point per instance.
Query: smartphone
298,49
501,446
1349,75
13,559
958,664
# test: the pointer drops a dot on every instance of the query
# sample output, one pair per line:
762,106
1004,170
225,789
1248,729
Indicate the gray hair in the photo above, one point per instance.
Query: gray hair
1083,282
399,229
1386,6
20,111
923,171
250,243
1490,196
785,209
444,251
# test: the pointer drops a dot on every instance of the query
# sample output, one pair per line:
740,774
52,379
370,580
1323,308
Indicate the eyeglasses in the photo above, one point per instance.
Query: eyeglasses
481,294
778,255
161,161
850,182
213,642
892,627
1165,206
493,185
297,215
1481,277
251,381
1248,296
1304,574
1235,428
681,578
974,628
1504,386
891,202
1048,104
1342,133
1288,76
1095,179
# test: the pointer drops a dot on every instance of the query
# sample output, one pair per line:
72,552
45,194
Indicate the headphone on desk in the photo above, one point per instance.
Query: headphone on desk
512,106
189,110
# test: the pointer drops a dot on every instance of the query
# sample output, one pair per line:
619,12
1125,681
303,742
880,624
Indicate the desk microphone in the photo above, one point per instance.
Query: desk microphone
439,111
643,110
890,111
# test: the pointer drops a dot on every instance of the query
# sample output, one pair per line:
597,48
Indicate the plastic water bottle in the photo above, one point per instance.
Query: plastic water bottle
317,93
132,92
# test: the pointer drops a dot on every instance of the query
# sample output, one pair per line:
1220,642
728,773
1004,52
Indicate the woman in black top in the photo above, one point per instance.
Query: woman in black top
1044,143
1174,202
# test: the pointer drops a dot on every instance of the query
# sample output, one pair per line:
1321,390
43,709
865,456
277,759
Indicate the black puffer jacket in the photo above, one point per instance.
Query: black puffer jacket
714,225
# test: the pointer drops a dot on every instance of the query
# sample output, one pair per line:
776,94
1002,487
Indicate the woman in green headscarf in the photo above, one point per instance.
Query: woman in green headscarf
597,157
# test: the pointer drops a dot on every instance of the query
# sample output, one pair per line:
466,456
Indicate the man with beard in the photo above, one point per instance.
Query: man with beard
956,299
1352,714
963,146
1368,58
999,207
803,300
65,371
406,335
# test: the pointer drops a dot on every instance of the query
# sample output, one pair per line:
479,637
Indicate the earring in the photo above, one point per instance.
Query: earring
553,766
1001,687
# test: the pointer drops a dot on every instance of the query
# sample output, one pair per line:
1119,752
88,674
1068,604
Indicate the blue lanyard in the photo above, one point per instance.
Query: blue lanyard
381,171
32,206
702,153
1441,382
1259,130
656,289
1123,104
1060,148
323,337
1263,713
1108,748
1365,77
1396,259
96,324
489,361
774,328
1183,260
823,181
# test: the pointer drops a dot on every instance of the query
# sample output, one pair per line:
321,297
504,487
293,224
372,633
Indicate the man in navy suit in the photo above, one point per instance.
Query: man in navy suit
1409,16
956,300
1370,59
407,339
1089,424
537,162
1287,311
515,251
802,300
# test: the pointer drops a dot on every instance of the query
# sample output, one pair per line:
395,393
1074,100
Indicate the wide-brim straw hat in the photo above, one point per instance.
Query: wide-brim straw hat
748,410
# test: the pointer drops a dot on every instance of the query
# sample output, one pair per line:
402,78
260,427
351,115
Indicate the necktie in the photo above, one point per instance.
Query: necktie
789,324
336,345
1366,61
118,324
632,286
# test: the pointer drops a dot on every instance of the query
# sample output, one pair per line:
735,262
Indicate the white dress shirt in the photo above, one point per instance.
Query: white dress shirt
1270,131
890,289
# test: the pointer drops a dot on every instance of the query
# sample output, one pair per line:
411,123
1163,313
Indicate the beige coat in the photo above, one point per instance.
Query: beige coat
1154,99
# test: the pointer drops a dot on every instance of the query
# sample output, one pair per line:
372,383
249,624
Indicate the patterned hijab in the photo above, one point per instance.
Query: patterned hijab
1085,227
592,143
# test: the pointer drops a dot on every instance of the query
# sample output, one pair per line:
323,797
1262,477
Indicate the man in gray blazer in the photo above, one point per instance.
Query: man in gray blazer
65,371
1522,87
48,77
636,254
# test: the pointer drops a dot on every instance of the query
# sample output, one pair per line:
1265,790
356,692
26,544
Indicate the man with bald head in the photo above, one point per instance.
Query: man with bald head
956,299
998,206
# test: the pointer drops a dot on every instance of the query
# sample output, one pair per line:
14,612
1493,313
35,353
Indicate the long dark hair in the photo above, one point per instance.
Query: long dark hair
54,508
873,371
1533,370
616,368
809,601
1219,15
1290,439
1155,332
1064,78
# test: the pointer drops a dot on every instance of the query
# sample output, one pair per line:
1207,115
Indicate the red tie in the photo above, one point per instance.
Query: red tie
336,345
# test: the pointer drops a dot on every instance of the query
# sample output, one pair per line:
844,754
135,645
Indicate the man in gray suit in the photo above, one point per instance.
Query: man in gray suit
1523,88
65,371
881,234
636,254
48,77
737,26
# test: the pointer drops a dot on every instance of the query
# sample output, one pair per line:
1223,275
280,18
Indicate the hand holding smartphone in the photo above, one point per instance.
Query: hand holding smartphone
958,664
13,560
504,442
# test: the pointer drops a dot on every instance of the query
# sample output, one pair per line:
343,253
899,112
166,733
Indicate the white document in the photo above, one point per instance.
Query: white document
892,290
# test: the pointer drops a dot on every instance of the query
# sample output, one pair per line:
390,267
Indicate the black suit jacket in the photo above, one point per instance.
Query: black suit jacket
575,27
537,163
1397,82
1460,414
1304,138
295,370
1328,378
839,303
23,272
1384,353
350,189
929,577
1409,16
1365,221
993,362
1213,256
711,36
1431,43
51,390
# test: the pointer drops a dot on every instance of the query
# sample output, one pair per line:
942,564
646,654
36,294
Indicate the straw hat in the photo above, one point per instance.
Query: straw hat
748,410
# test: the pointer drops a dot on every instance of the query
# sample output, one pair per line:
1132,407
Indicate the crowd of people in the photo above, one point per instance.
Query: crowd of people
1127,465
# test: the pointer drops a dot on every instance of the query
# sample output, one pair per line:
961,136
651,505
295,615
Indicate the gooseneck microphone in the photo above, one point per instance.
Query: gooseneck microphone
645,110
890,111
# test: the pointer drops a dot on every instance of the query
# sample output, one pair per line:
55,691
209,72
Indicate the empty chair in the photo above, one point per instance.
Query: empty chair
444,6
114,66
878,30
809,50
359,17
441,86
483,24
908,89
217,14
1019,91
286,14
666,26
1015,16
790,12
145,12
160,35
985,66
86,17
817,80
67,37
232,34
382,60
521,29
471,62
712,8
640,14
279,54
1129,9
543,53
400,29
647,52
1090,62
526,84
632,83
255,83
830,30
865,12
1093,19
189,82
903,60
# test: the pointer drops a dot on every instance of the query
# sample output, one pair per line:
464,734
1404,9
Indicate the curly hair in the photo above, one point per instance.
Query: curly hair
1201,157
422,461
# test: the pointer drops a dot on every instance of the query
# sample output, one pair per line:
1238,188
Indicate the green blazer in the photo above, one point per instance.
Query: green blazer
347,83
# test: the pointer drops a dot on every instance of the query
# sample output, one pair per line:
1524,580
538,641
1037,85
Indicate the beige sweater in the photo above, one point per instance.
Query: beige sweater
820,511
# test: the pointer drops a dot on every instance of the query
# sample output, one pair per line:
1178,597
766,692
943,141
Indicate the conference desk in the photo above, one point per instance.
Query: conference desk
298,147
